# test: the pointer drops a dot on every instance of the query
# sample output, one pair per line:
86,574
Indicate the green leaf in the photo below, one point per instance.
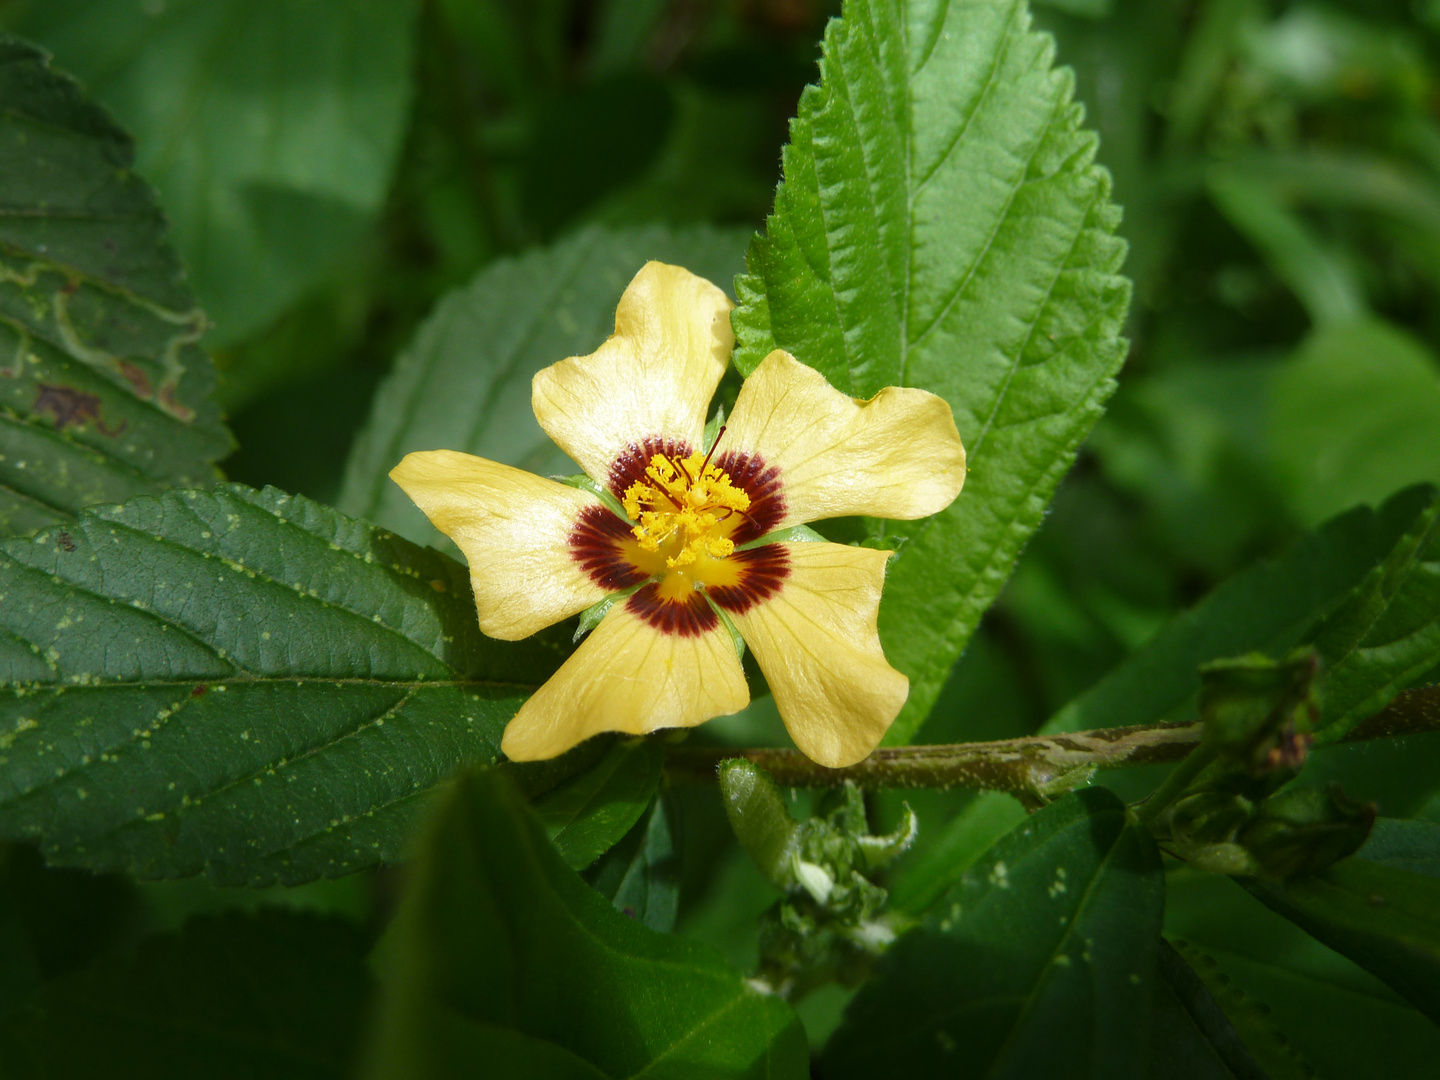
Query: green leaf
239,682
498,943
55,921
1267,608
1384,918
271,127
1355,417
942,224
464,382
1405,845
641,874
967,836
1039,963
275,994
1343,1020
587,815
1386,635
1247,1019
1321,278
1192,1038
103,392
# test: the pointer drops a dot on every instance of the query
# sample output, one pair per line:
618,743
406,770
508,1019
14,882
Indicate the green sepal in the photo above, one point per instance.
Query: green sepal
712,429
892,544
791,534
761,821
592,615
735,638
600,491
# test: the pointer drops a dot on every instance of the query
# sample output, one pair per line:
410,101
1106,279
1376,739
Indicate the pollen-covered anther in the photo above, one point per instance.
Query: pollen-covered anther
687,507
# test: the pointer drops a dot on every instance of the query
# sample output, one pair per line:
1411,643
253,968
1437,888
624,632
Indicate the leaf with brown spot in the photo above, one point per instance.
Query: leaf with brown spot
104,392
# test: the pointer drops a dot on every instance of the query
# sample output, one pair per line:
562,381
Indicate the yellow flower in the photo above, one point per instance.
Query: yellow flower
795,449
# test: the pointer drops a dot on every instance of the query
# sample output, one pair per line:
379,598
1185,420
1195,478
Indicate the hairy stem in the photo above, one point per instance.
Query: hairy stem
1033,768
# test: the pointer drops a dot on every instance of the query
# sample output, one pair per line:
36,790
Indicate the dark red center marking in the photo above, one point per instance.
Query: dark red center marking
629,467
762,571
596,542
762,483
689,617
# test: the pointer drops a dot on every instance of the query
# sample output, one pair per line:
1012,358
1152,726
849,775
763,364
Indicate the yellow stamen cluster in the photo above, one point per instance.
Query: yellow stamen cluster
687,506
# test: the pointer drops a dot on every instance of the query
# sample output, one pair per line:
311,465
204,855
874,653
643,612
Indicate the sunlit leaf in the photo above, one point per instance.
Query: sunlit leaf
942,224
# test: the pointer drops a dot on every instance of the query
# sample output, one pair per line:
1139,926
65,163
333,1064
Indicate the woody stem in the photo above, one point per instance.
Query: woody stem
1031,768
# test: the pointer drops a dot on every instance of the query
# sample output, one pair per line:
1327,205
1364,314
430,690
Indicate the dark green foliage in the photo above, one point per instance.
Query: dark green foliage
1267,608
588,814
1041,960
275,994
502,951
641,874
1287,994
1384,918
242,688
241,682
1387,633
1192,1038
261,210
1406,845
104,393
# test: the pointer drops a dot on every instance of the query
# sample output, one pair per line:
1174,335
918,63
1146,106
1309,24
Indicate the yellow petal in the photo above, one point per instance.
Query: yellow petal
897,455
654,377
817,644
513,527
627,676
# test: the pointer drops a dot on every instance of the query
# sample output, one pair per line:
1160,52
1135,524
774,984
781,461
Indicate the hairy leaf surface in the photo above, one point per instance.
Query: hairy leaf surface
942,224
103,392
239,682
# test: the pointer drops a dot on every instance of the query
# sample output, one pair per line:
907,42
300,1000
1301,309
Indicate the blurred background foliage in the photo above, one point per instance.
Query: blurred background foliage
332,170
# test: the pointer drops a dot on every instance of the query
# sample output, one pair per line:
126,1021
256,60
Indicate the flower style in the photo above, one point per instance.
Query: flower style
705,544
